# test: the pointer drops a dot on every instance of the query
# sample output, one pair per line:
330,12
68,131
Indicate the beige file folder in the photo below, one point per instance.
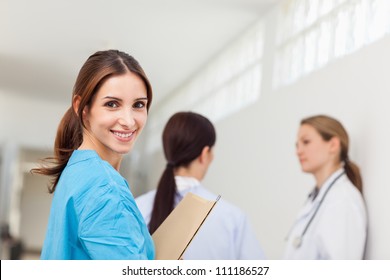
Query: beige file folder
173,236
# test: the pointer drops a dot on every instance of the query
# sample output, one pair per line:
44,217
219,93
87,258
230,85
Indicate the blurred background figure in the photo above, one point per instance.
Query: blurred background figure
333,222
12,248
188,141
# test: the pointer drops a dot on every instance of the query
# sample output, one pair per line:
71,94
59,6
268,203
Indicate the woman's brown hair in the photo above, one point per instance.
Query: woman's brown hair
328,128
96,70
184,137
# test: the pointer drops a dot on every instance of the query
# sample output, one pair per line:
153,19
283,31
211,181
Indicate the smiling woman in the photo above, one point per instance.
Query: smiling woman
93,213
116,118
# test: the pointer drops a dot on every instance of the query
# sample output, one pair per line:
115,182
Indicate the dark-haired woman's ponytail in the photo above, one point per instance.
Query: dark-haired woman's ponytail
165,198
184,137
353,173
69,137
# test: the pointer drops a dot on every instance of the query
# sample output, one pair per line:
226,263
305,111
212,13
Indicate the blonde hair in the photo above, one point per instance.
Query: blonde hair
328,128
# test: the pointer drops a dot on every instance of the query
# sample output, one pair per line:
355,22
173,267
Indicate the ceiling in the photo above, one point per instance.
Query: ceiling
43,43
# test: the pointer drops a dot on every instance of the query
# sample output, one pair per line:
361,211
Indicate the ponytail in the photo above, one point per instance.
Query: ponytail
69,137
184,137
164,199
353,174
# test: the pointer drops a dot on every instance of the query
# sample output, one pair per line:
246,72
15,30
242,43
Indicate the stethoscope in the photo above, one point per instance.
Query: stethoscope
297,242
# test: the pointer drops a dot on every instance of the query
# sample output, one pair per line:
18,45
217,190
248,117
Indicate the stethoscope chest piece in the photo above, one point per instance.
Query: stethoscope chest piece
297,242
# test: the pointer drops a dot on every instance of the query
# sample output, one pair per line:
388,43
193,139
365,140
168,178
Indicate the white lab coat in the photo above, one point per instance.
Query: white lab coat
339,229
226,233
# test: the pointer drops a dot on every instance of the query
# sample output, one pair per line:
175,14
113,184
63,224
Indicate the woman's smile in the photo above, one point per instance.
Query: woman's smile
124,136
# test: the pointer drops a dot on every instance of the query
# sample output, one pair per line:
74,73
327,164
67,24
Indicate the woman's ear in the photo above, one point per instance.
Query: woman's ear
76,106
335,145
205,154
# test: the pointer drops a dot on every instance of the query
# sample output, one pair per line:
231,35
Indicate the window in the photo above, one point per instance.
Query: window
227,84
311,33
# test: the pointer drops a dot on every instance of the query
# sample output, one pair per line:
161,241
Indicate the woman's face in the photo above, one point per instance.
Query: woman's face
117,115
312,150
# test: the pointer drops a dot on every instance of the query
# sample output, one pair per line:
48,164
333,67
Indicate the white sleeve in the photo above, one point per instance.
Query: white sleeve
247,245
145,205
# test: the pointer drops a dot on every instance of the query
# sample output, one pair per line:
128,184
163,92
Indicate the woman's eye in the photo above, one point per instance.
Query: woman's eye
139,105
112,104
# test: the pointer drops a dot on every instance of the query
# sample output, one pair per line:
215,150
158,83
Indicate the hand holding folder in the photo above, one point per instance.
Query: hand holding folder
174,235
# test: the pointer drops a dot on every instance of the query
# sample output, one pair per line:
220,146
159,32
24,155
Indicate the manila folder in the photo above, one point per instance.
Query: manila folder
173,236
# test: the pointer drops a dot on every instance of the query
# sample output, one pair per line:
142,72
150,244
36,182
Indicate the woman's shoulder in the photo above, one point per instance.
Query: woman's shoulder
86,171
223,206
345,189
91,165
346,196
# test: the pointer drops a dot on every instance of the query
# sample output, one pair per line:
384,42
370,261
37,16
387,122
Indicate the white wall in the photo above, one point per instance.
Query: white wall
29,122
255,165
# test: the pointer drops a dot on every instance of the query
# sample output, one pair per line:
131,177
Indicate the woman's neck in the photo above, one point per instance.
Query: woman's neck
324,173
189,171
113,159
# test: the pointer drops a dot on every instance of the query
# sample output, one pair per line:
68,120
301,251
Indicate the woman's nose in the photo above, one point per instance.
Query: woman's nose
298,149
126,119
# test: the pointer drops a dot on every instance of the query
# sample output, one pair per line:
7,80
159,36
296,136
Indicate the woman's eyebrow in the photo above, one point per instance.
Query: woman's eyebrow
141,98
112,97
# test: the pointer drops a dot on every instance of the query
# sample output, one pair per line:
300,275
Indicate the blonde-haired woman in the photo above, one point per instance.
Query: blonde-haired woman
333,221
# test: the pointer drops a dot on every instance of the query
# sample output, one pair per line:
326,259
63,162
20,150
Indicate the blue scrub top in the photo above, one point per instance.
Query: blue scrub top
94,215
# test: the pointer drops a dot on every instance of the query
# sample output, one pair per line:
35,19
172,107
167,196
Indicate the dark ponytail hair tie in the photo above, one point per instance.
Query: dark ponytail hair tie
170,164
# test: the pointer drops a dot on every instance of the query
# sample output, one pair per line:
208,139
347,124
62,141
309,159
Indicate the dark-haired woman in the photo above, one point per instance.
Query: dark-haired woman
188,141
333,222
93,213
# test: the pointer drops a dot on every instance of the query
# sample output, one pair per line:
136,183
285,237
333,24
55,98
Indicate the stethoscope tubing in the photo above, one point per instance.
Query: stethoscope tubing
299,239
